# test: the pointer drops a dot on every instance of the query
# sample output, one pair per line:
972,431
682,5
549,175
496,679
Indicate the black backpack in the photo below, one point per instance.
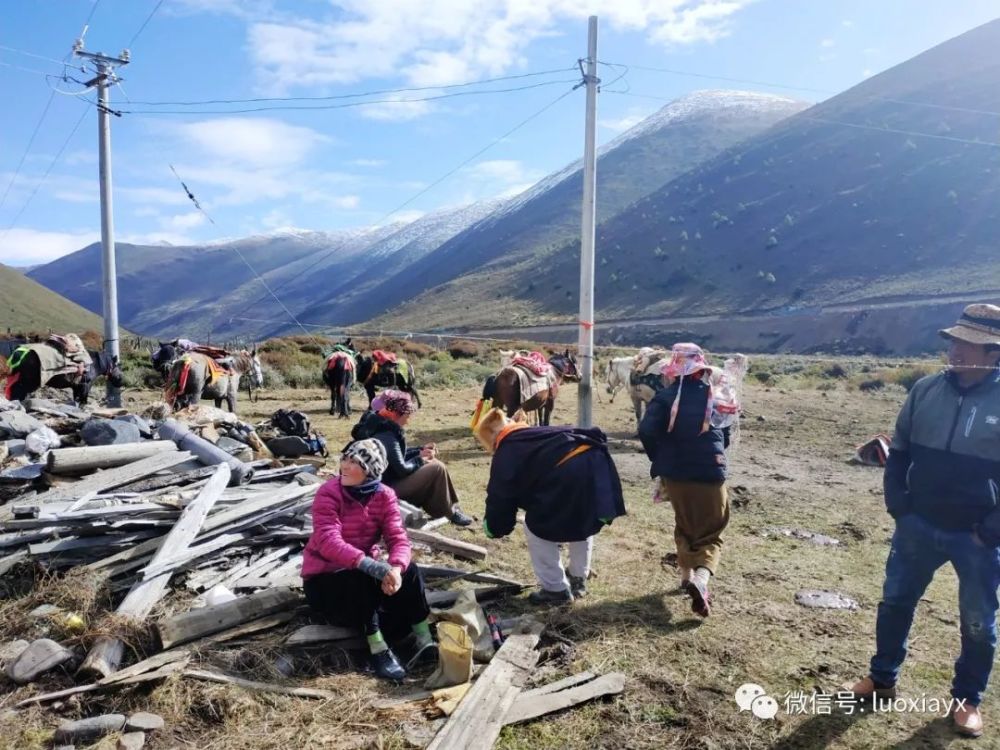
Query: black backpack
291,422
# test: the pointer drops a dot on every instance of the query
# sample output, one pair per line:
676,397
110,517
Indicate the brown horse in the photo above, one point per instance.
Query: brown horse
191,378
504,389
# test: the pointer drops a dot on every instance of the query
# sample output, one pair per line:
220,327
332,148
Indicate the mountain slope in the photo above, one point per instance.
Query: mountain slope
665,145
889,190
26,305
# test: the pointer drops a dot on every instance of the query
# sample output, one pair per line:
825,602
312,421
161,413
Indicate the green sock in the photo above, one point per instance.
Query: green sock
376,643
423,632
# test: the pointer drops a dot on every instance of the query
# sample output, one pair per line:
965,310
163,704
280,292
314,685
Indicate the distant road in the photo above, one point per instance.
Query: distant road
670,320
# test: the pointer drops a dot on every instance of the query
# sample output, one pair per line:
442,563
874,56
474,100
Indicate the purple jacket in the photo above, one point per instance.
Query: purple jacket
345,531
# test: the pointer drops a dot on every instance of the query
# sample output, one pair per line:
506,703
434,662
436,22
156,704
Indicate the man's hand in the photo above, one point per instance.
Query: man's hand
393,581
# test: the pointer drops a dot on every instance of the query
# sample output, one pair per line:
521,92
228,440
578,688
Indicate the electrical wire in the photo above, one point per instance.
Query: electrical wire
825,92
45,176
348,105
27,149
377,92
32,54
857,125
431,186
144,24
23,69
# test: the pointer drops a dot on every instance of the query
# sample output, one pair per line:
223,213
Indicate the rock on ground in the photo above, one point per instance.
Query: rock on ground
131,741
109,432
18,424
41,656
144,722
93,728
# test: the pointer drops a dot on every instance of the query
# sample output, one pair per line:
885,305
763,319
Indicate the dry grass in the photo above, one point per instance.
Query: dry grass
790,471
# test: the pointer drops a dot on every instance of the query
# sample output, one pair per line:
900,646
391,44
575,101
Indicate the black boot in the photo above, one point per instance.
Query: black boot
387,666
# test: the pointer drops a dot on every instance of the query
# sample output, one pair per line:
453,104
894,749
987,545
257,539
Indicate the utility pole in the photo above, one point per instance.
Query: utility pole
105,67
585,345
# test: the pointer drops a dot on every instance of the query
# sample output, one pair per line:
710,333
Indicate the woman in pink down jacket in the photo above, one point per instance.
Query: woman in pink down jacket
344,575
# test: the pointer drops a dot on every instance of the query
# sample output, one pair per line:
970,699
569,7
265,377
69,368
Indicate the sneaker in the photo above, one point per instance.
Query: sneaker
458,518
968,721
578,586
387,666
701,600
426,653
866,688
542,597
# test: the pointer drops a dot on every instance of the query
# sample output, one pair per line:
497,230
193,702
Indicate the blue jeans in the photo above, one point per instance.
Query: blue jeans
918,550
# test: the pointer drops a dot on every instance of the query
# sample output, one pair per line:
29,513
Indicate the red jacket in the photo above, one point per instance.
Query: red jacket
345,531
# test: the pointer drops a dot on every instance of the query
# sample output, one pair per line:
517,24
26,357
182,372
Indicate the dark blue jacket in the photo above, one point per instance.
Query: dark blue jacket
564,499
403,461
683,455
944,462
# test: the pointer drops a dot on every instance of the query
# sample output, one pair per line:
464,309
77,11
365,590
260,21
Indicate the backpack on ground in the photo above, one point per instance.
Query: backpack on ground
291,422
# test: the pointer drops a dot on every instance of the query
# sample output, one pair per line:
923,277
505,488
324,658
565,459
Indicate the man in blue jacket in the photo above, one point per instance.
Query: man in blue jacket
940,483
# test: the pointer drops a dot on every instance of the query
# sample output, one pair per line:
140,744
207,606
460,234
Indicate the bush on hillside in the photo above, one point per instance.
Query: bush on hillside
462,349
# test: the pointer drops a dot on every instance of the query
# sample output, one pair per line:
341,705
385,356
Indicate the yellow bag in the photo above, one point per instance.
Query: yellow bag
454,657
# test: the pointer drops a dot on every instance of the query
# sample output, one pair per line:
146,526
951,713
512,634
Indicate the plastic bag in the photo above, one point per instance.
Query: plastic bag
41,440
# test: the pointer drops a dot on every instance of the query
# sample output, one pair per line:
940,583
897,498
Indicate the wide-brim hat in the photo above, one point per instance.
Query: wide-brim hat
979,324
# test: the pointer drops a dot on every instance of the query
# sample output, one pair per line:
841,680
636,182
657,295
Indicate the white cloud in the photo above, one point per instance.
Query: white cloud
153,195
405,216
181,222
866,73
436,42
827,43
26,247
847,23
497,178
369,162
248,141
346,202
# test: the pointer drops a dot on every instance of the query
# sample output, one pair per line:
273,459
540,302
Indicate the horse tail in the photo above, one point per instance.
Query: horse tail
490,388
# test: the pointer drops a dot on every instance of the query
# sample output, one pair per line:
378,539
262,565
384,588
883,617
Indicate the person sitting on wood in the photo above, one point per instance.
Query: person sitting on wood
344,575
416,474
568,485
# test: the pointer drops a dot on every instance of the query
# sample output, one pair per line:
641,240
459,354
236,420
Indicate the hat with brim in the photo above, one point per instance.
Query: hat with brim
979,324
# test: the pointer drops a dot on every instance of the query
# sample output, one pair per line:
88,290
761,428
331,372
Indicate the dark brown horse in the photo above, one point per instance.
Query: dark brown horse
338,374
26,375
504,388
389,375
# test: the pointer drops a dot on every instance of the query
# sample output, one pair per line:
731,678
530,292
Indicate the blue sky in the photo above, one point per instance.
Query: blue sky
342,168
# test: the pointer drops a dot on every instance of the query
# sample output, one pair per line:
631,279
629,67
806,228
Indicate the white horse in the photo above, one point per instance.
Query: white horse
617,375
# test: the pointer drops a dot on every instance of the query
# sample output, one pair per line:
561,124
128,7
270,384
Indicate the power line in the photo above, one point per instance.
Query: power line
23,69
144,24
45,176
857,125
60,63
434,184
348,105
825,92
378,92
27,149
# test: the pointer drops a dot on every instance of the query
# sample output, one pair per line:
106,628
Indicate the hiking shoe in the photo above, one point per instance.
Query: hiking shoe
968,721
543,597
701,600
387,666
578,586
458,518
426,653
685,578
865,688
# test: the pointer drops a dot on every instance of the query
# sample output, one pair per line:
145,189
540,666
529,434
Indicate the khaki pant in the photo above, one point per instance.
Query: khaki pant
430,488
701,513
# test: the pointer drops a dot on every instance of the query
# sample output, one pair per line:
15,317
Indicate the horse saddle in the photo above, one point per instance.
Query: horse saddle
383,358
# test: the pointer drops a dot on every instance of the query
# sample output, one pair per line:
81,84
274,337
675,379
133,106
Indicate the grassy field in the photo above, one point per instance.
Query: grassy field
26,305
790,470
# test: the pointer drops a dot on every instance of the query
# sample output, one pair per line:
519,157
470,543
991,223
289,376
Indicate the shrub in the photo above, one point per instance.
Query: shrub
763,376
462,349
870,386
835,371
908,376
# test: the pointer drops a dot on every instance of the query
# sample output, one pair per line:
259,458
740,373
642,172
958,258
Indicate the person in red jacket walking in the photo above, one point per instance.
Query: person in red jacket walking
344,574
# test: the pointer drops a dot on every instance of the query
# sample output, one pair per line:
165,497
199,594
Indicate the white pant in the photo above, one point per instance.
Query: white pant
546,559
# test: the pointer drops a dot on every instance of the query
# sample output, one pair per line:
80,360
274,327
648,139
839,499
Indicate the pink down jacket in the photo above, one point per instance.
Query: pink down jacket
345,531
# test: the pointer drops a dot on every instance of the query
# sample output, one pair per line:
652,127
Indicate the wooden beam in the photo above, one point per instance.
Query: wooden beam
107,652
447,544
88,458
111,478
310,634
197,623
265,687
531,704
483,594
476,723
173,479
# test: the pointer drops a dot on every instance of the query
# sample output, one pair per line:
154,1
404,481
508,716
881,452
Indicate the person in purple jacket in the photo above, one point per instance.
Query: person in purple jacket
344,574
